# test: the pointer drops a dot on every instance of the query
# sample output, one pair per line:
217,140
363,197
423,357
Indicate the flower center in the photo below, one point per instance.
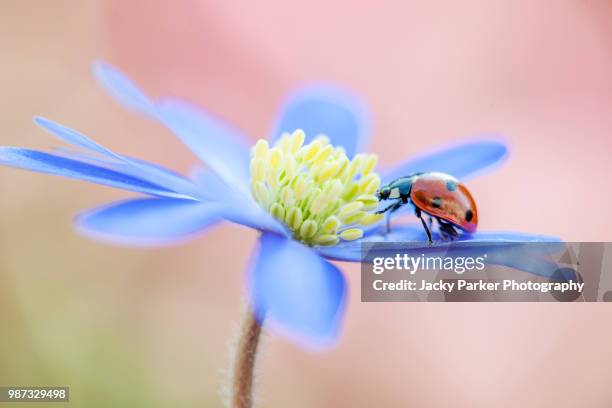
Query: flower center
314,189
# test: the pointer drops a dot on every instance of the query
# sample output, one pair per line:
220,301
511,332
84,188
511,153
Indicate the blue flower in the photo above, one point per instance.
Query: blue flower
292,285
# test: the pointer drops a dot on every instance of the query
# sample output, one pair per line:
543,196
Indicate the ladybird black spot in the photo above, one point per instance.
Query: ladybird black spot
451,185
436,202
469,215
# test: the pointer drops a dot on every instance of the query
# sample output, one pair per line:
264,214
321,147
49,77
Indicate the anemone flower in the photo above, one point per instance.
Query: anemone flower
308,189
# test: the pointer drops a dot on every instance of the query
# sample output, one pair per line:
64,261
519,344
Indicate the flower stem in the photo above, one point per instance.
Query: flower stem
244,364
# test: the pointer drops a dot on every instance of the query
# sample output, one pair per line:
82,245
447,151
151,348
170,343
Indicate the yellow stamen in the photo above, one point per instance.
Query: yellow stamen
371,219
293,218
309,229
261,149
326,240
278,211
351,234
369,201
315,189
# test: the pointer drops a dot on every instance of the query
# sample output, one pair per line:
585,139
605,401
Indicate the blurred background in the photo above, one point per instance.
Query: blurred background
151,328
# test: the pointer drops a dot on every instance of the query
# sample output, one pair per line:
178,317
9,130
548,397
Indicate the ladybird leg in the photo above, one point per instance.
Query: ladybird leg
441,230
402,200
453,231
444,234
417,212
392,207
448,230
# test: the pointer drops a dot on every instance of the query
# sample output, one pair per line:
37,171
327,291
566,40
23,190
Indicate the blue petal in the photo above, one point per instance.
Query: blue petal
462,161
238,207
106,158
122,88
253,216
141,169
523,251
217,144
325,110
148,221
296,292
414,233
75,138
66,167
213,187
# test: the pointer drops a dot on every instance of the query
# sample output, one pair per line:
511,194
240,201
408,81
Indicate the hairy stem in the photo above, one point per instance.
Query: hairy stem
244,364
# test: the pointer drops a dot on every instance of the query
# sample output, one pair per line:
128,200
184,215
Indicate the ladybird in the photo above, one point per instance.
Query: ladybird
441,196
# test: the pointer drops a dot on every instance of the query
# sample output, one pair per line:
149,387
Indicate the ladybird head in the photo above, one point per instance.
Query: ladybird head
383,193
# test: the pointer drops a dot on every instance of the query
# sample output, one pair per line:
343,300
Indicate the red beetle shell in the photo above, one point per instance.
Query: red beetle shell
441,195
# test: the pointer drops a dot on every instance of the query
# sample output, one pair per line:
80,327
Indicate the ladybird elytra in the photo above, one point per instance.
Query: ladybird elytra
439,195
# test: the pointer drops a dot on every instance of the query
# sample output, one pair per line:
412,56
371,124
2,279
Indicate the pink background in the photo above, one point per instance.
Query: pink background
112,321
